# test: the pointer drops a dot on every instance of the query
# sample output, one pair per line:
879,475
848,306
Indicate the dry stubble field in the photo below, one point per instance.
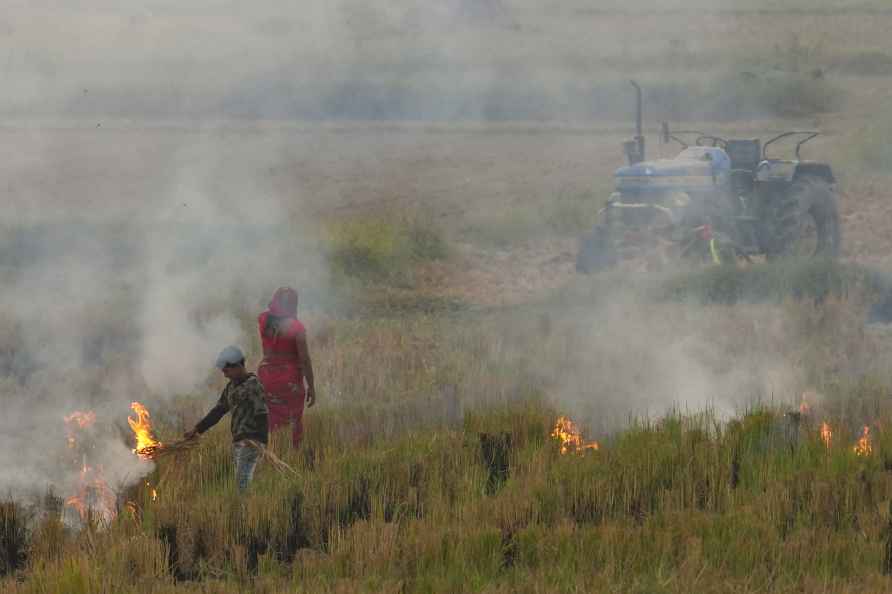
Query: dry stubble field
396,490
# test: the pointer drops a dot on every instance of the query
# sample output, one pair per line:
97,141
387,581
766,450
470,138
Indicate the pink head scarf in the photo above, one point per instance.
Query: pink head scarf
284,303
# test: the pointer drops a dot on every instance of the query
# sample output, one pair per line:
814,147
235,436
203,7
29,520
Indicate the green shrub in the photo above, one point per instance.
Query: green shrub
570,214
426,241
567,214
515,225
383,248
772,282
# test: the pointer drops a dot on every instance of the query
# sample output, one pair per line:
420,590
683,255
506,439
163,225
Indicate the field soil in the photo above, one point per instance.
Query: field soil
467,179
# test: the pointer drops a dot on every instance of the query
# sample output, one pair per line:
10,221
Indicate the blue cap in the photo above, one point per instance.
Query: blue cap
231,355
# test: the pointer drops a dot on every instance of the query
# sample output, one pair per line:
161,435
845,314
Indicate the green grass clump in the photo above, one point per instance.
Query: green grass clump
760,503
382,248
428,466
567,214
814,280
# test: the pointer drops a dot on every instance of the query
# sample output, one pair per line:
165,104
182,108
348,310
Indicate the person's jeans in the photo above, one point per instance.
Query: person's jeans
245,457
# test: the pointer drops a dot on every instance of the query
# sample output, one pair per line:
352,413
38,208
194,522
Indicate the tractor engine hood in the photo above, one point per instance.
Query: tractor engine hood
695,167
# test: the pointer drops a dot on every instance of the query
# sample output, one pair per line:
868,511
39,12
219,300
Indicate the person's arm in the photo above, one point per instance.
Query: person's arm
210,419
307,366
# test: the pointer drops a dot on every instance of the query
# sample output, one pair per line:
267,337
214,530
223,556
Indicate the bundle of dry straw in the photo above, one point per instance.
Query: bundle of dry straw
160,450
274,460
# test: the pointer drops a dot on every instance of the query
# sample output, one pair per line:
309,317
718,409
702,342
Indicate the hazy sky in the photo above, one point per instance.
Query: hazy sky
283,58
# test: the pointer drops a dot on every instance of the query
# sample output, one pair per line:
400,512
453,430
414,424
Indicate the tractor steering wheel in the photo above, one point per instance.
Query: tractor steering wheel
714,141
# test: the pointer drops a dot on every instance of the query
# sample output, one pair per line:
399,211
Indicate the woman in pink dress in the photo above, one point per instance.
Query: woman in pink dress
286,363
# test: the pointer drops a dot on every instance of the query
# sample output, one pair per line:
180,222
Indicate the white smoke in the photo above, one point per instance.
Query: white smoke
135,305
610,364
140,232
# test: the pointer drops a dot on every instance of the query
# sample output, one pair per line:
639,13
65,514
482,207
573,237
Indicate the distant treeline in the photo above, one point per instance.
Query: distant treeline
515,95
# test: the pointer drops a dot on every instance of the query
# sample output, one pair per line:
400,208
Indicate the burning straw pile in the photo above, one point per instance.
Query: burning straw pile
570,437
94,498
147,445
149,448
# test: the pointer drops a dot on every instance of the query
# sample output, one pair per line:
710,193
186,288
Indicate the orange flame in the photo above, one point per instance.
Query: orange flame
142,429
78,420
93,496
133,507
152,491
568,434
807,397
826,433
864,447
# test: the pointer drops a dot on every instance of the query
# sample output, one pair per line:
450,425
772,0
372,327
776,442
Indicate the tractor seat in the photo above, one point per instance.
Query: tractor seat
744,154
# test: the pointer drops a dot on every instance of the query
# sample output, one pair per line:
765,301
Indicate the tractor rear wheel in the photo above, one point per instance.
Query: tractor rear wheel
595,252
805,221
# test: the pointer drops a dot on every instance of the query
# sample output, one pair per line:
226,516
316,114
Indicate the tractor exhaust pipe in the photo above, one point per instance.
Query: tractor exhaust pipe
635,149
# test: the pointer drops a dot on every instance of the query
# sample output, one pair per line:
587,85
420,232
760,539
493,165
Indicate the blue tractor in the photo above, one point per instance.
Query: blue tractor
717,200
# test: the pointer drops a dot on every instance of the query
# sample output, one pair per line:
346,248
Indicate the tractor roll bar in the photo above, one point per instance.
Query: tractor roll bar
809,134
668,135
639,134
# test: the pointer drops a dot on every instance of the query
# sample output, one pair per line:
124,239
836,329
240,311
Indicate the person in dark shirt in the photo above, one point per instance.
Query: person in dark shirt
245,398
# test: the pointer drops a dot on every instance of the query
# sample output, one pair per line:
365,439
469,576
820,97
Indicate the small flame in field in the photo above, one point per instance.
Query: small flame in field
93,497
826,433
864,447
571,440
142,430
152,491
807,397
81,418
133,507
78,420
